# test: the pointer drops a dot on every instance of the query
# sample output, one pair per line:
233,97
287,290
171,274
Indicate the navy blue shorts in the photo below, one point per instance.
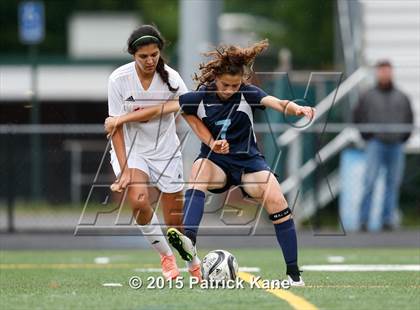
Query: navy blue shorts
234,167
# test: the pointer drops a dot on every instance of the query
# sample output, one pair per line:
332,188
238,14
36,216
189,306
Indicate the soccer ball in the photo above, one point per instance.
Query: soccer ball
219,266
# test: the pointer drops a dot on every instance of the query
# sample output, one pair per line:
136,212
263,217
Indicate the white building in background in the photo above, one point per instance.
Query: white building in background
100,35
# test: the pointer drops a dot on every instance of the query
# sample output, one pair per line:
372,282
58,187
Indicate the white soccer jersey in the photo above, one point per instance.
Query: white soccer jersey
155,139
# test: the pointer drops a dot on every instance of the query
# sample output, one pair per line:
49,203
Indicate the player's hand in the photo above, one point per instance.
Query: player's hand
122,182
220,146
308,112
110,124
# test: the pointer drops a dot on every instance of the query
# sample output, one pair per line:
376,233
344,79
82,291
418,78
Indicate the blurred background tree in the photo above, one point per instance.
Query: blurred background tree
308,25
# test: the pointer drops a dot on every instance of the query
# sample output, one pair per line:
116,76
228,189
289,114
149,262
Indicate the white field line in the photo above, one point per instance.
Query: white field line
112,284
340,268
336,259
102,260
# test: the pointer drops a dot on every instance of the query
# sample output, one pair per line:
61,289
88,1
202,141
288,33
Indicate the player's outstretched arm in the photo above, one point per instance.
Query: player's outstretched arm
288,107
204,134
142,115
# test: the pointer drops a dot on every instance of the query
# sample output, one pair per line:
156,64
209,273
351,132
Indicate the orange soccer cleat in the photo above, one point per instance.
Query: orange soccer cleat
169,268
195,272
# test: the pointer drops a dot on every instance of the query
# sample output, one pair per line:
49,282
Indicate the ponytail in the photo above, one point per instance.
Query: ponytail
164,75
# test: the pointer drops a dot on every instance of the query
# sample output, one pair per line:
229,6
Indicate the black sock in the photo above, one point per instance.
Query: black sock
286,237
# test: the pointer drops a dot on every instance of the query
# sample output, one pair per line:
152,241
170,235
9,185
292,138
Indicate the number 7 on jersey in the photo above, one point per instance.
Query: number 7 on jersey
225,123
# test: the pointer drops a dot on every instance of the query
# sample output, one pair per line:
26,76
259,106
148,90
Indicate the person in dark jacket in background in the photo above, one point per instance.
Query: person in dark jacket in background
383,104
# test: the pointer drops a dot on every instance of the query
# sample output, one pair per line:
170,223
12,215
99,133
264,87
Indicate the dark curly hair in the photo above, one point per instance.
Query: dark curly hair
151,35
229,59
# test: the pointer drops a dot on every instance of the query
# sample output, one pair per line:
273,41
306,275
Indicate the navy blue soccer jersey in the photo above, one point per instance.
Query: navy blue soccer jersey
230,119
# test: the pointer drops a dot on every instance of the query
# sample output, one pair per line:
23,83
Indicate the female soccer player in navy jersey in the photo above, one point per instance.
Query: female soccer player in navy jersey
229,153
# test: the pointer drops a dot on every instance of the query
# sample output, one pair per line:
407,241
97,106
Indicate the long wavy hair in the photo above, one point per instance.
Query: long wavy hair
152,32
229,59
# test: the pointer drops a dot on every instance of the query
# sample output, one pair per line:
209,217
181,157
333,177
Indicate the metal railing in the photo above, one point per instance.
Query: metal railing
298,171
330,101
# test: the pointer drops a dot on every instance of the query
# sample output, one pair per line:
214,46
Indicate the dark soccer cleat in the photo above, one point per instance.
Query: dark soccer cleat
294,277
182,244
296,281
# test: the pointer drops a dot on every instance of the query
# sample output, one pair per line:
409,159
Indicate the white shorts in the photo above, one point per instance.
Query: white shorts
166,175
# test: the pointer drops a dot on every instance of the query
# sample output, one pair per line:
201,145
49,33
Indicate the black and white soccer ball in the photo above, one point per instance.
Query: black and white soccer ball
219,266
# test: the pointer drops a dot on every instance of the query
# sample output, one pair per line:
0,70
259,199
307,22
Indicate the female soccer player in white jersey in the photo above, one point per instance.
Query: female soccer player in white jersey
148,152
225,103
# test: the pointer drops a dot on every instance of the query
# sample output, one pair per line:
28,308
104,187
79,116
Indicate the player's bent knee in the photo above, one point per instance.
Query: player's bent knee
140,206
279,202
138,198
198,183
142,215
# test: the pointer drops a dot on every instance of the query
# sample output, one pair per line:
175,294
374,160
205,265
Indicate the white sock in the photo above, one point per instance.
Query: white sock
194,262
153,233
